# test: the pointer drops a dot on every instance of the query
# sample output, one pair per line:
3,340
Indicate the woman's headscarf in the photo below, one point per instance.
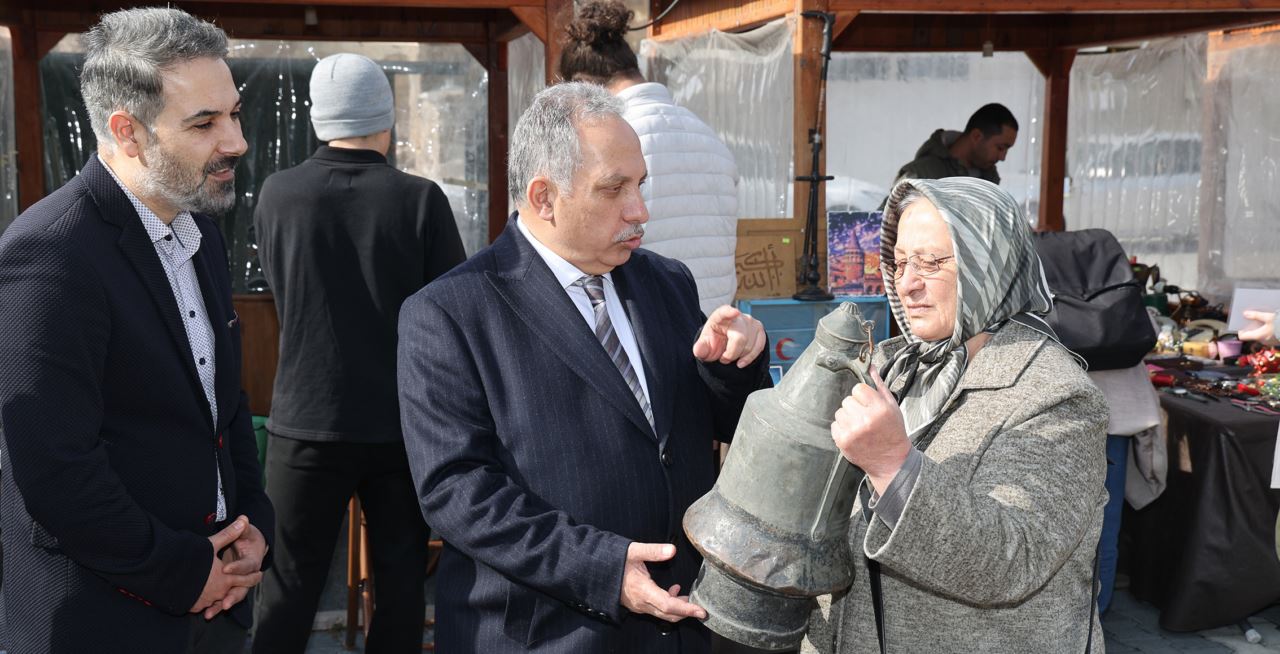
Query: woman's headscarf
1000,279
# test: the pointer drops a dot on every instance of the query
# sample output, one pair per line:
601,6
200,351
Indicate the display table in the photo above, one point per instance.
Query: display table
1204,552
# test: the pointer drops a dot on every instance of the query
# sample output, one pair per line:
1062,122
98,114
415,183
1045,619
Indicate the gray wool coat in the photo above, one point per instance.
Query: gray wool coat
994,550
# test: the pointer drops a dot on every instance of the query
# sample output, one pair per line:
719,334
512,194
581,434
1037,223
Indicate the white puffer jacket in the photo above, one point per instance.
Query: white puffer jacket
691,193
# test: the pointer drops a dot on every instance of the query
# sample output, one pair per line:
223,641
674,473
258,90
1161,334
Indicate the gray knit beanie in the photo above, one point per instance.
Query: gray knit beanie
350,96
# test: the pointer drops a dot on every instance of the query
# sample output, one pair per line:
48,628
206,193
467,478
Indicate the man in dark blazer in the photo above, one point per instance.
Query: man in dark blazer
134,515
560,392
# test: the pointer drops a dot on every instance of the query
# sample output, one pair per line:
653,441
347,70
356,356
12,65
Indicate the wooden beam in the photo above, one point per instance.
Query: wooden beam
535,18
259,349
29,131
46,41
508,29
480,51
249,21
693,17
843,20
437,4
498,107
1088,31
559,14
1055,64
1050,6
879,32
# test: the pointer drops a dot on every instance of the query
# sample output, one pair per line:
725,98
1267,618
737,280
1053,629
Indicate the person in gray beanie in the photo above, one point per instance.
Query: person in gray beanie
343,239
350,96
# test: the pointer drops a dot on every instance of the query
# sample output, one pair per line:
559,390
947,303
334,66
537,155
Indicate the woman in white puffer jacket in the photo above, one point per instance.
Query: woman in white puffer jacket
691,192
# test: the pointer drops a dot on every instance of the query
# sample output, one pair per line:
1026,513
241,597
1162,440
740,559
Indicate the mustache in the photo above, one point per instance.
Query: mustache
221,164
629,233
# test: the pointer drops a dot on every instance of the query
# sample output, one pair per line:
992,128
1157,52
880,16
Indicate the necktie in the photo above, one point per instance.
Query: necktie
608,337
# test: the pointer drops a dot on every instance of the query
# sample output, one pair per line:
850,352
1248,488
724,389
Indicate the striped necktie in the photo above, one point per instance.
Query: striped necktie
608,337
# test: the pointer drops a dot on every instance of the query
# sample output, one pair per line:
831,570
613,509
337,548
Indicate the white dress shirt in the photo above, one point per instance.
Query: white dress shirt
176,244
567,273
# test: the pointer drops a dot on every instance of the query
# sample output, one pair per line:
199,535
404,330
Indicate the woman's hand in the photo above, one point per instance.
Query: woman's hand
1266,329
870,432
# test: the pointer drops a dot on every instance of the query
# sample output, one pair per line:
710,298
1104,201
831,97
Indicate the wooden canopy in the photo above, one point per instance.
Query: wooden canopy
484,27
1050,32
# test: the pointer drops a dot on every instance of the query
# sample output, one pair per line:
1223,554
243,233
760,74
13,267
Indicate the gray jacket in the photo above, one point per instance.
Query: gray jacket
994,549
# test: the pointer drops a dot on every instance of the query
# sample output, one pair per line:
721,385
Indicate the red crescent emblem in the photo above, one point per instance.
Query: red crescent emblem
778,348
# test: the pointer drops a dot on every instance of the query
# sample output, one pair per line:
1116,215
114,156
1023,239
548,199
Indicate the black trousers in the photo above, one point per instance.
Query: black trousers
221,635
310,483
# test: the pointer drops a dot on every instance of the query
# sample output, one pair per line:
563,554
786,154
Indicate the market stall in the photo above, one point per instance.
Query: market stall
1204,551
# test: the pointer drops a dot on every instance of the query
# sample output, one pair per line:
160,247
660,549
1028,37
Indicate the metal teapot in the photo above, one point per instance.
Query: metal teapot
773,531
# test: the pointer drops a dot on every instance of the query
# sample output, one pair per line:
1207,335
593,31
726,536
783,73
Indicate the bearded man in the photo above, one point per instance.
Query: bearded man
134,515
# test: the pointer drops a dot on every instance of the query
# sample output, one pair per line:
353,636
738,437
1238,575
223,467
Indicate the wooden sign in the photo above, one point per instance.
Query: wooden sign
766,266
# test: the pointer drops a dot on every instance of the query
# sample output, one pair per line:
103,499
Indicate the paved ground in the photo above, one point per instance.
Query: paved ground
1130,626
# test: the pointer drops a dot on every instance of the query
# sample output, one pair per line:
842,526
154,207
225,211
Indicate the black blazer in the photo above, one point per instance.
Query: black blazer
108,443
534,461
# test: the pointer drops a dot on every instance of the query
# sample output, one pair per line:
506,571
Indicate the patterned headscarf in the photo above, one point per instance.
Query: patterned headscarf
1000,279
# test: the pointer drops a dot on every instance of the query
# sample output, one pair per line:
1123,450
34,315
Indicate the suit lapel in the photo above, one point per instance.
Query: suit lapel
530,288
659,348
139,251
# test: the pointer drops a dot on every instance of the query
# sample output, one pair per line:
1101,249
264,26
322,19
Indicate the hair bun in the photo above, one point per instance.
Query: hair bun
600,22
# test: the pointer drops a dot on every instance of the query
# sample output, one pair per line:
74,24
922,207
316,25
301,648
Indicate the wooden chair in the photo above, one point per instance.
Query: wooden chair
359,575
360,585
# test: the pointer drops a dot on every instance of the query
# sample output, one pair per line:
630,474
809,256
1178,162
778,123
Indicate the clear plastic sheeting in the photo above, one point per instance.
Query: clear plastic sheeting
1243,208
526,76
1173,148
8,148
441,131
741,85
881,106
1134,149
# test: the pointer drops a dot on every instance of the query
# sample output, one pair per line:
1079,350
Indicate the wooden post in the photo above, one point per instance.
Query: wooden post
29,127
559,13
497,67
1055,65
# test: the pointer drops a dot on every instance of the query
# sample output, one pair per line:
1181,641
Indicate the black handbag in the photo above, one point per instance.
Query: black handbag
1097,305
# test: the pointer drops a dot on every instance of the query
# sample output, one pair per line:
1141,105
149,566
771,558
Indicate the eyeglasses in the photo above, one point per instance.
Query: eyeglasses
923,265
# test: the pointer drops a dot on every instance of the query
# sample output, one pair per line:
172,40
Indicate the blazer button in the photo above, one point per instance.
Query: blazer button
208,520
219,440
667,459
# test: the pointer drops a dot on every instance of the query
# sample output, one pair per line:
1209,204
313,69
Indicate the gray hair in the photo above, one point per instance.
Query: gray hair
127,51
909,195
545,140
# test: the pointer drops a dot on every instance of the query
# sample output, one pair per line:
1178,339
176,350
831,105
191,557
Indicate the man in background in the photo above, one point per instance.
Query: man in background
974,152
343,239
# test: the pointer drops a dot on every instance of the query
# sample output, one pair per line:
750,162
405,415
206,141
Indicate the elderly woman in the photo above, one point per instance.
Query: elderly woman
978,520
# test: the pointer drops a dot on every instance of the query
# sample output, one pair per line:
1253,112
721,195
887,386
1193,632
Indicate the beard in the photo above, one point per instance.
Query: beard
187,187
